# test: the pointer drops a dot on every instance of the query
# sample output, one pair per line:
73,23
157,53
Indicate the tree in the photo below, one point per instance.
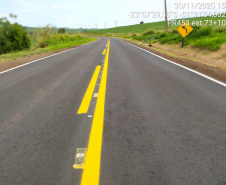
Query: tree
12,16
12,37
141,22
62,30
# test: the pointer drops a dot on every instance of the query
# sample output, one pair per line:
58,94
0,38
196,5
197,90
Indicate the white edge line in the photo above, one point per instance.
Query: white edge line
45,58
201,74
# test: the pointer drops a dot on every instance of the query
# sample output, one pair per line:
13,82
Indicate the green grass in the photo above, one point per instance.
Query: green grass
201,37
58,41
54,42
205,37
212,42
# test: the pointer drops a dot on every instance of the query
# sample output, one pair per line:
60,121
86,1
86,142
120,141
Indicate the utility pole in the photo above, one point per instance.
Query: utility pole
96,26
166,21
105,25
116,22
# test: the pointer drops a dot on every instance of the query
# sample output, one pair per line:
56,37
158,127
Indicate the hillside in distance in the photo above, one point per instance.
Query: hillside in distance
140,28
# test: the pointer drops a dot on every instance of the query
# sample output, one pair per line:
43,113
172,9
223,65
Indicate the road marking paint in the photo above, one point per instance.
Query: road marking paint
90,116
98,84
104,52
196,72
80,158
95,95
91,170
45,58
106,45
89,92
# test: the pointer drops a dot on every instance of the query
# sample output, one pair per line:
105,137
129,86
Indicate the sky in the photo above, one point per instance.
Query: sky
89,13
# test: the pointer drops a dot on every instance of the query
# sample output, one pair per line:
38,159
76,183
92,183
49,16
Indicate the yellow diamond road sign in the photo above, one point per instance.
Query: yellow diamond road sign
184,29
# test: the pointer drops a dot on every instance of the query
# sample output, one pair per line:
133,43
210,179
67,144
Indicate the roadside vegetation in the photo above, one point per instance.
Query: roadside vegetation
12,36
203,37
15,42
48,38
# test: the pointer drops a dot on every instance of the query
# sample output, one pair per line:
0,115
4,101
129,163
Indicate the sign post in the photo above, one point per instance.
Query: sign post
182,42
184,29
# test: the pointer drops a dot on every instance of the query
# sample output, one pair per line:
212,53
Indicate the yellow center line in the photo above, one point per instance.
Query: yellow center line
104,52
91,170
89,92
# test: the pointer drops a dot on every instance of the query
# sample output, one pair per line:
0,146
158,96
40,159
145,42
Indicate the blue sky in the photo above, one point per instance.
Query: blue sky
84,13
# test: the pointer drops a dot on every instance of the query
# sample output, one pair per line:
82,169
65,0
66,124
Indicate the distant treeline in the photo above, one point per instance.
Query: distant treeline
68,30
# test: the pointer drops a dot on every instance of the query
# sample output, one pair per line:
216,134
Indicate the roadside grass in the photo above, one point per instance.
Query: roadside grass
201,37
210,38
205,37
206,40
59,41
51,43
212,42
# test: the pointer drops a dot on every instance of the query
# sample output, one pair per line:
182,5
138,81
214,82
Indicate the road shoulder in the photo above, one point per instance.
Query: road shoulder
214,72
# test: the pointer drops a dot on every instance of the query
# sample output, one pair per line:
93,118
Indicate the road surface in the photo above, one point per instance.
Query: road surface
148,121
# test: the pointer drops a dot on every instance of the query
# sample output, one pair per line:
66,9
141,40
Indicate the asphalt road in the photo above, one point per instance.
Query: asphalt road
162,123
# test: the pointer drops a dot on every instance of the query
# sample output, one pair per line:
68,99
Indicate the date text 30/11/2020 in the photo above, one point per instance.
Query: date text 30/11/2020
200,6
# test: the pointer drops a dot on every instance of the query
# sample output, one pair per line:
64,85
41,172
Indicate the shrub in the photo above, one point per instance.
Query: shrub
12,37
163,35
57,39
148,32
43,34
62,30
174,31
220,30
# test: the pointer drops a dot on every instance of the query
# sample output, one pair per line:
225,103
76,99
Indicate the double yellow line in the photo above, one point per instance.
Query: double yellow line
89,92
104,52
91,170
